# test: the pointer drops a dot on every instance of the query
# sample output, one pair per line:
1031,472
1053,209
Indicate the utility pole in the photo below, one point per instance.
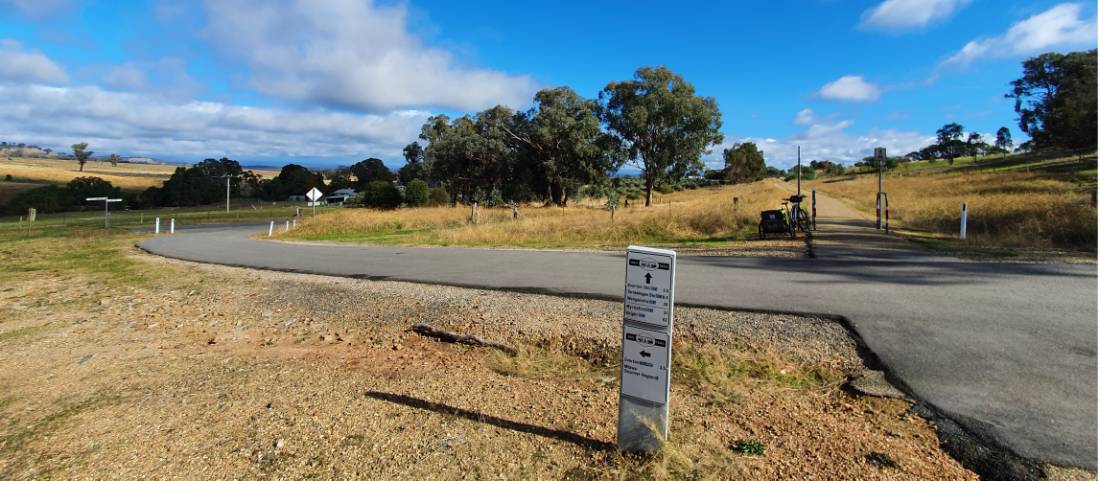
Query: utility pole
106,208
227,179
800,171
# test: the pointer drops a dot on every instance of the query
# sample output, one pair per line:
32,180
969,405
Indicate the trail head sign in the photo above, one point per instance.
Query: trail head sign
648,302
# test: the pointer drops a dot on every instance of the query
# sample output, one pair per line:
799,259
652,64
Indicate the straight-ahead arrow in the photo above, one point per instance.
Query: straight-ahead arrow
648,277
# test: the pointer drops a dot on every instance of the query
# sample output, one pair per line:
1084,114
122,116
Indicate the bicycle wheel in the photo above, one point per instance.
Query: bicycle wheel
803,220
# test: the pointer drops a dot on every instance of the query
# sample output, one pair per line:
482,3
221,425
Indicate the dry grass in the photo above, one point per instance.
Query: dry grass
700,217
58,171
1005,209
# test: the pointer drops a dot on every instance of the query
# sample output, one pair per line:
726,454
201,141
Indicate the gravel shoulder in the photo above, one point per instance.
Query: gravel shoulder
211,372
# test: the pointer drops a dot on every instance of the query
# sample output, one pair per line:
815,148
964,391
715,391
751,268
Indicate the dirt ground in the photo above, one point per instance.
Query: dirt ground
204,372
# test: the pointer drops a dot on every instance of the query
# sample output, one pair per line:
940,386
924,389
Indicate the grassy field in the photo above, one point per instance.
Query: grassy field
1015,202
701,217
58,171
246,210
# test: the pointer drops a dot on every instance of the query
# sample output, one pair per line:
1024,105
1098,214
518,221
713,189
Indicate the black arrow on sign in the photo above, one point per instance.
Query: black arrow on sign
648,276
645,354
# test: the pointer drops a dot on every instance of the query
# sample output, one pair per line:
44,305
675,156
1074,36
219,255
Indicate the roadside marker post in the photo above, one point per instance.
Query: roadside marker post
962,225
294,224
287,227
172,225
156,226
813,209
644,376
880,161
886,206
271,229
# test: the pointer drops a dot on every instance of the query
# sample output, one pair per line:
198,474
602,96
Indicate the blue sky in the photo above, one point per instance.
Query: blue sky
332,82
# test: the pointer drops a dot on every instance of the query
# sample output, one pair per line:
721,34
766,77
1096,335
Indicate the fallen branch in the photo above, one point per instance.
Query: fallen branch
448,336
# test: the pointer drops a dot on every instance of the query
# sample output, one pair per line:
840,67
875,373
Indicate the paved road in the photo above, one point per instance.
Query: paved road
1006,349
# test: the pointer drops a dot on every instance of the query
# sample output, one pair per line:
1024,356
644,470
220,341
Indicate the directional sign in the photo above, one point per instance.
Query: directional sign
648,297
313,194
645,364
647,348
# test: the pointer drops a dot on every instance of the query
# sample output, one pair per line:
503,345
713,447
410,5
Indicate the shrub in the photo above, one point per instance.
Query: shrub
416,193
438,196
8,177
381,194
50,198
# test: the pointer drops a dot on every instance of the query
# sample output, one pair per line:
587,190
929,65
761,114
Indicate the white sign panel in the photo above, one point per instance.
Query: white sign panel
648,297
313,194
645,364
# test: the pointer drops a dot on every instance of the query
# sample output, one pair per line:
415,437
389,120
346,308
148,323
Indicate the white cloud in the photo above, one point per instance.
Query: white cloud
909,14
1059,27
351,54
20,65
167,76
827,141
38,8
804,117
849,87
136,123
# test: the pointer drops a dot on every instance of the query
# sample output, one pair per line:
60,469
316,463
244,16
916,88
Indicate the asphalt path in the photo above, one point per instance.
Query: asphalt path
1008,350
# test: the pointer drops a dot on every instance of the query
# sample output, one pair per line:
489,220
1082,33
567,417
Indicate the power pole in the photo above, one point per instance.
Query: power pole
800,171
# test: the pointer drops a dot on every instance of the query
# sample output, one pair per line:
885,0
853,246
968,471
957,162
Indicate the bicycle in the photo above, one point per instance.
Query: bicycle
800,219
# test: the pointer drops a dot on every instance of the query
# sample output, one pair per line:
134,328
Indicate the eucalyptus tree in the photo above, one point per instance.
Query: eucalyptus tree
663,125
563,136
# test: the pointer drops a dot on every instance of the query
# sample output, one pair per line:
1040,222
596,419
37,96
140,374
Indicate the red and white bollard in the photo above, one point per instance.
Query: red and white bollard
886,208
878,210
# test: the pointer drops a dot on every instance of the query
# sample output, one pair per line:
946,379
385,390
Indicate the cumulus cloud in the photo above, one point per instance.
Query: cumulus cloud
167,76
851,88
909,14
1061,26
21,65
804,117
351,54
136,123
823,140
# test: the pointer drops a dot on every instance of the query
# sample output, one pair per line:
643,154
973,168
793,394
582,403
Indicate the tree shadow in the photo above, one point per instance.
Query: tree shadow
582,441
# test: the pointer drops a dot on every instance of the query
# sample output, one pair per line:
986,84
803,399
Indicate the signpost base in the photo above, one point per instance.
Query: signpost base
643,426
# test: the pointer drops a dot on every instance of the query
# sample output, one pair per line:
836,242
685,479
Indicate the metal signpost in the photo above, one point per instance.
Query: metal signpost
880,160
646,348
313,195
106,208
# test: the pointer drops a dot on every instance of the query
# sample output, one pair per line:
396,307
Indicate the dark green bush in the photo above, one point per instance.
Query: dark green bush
381,194
438,196
416,193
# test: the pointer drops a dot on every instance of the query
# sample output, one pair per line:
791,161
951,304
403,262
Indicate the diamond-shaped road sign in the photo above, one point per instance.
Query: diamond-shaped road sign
313,194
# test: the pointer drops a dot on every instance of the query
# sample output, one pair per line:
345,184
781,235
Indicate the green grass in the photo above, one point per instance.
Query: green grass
750,447
62,251
241,212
